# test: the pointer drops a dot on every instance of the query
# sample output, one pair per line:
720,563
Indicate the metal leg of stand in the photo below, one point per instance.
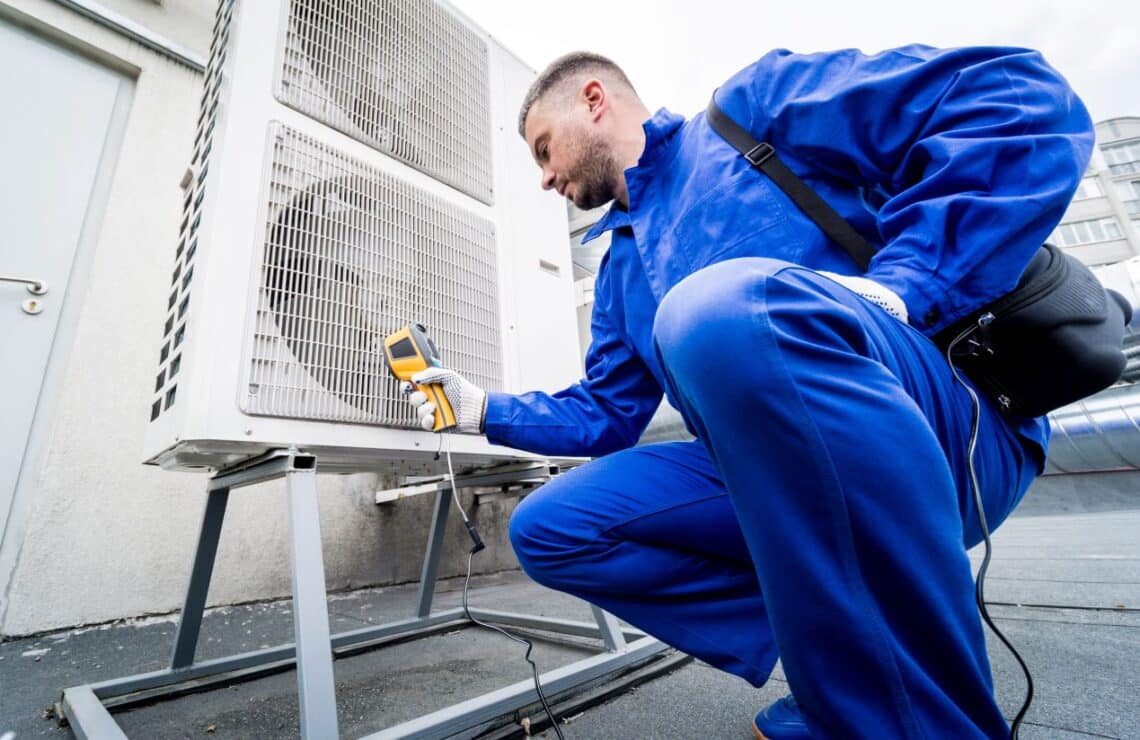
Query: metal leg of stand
431,554
310,610
190,621
611,631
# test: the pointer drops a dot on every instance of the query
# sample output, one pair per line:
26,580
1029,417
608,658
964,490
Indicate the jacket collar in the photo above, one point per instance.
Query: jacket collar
615,218
659,129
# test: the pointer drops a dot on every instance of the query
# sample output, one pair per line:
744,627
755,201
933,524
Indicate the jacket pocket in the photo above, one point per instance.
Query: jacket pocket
745,215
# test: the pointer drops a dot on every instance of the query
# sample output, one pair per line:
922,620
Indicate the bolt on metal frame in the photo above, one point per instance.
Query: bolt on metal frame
86,707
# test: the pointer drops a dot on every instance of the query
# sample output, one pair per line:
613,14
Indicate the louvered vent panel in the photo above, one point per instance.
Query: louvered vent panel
194,193
351,254
404,76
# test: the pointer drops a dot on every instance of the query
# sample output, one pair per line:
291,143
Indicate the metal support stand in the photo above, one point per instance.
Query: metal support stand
313,650
431,555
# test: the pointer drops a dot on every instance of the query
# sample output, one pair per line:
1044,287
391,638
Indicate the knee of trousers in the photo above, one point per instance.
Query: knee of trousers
708,319
546,544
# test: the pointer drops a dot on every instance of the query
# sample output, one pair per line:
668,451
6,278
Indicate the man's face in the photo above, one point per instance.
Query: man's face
575,158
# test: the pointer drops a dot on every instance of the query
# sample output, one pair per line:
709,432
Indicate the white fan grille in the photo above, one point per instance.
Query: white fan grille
351,254
404,76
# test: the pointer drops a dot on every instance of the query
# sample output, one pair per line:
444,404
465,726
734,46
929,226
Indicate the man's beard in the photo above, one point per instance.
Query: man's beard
593,176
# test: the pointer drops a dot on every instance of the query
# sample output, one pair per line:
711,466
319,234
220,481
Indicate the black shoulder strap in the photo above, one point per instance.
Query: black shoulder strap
763,157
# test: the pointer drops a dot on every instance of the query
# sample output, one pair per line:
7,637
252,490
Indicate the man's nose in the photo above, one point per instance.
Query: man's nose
547,178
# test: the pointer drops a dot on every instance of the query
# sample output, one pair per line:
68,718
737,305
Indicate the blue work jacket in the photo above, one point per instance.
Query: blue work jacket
956,164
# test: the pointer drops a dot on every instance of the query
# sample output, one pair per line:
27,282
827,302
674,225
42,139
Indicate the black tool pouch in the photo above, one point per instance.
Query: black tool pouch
1052,340
1056,338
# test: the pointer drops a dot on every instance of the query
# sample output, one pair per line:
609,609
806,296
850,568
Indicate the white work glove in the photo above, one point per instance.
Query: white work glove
468,402
884,298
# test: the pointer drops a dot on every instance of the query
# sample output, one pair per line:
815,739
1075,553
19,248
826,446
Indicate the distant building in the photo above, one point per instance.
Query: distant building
1102,224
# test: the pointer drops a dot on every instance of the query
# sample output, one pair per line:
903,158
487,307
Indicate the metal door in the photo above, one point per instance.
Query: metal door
60,112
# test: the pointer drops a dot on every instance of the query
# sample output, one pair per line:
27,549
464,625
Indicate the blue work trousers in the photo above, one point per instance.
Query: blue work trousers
822,517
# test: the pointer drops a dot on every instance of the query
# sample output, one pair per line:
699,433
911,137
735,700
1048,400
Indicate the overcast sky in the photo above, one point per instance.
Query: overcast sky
676,51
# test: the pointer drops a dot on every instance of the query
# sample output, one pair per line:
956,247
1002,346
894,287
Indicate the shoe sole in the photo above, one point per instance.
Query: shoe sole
756,731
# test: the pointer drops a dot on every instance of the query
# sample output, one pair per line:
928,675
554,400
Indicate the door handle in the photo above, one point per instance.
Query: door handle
35,287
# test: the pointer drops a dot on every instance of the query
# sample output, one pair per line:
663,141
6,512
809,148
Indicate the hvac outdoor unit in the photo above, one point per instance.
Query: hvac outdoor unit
356,167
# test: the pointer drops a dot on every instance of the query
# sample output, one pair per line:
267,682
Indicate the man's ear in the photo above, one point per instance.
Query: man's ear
594,96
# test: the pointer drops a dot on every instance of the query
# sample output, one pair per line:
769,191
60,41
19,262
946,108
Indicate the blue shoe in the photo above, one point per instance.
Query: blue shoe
781,720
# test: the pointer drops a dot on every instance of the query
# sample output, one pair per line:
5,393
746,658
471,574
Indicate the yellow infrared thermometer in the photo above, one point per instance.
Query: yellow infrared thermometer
410,351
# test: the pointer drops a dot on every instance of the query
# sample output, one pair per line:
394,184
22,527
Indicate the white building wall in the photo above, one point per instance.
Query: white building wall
94,535
187,23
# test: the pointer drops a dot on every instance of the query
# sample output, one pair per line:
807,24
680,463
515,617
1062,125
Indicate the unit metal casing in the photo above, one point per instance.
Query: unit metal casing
356,167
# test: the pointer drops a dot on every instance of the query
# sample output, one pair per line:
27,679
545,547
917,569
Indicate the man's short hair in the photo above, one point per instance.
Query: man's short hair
566,68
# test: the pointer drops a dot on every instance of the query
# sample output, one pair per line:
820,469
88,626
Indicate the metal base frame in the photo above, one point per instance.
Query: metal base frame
86,708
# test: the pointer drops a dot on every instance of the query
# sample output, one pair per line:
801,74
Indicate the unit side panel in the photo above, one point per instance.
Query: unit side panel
179,374
534,239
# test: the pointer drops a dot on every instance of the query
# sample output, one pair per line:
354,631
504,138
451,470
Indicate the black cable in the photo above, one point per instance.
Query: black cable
467,612
979,585
516,638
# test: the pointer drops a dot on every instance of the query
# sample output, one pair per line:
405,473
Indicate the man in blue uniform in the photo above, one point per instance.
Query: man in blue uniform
823,513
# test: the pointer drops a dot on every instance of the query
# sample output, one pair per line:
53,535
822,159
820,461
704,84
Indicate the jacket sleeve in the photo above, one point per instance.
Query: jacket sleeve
604,412
973,153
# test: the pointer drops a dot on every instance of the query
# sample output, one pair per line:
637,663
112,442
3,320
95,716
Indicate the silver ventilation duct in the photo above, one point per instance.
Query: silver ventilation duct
1100,433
